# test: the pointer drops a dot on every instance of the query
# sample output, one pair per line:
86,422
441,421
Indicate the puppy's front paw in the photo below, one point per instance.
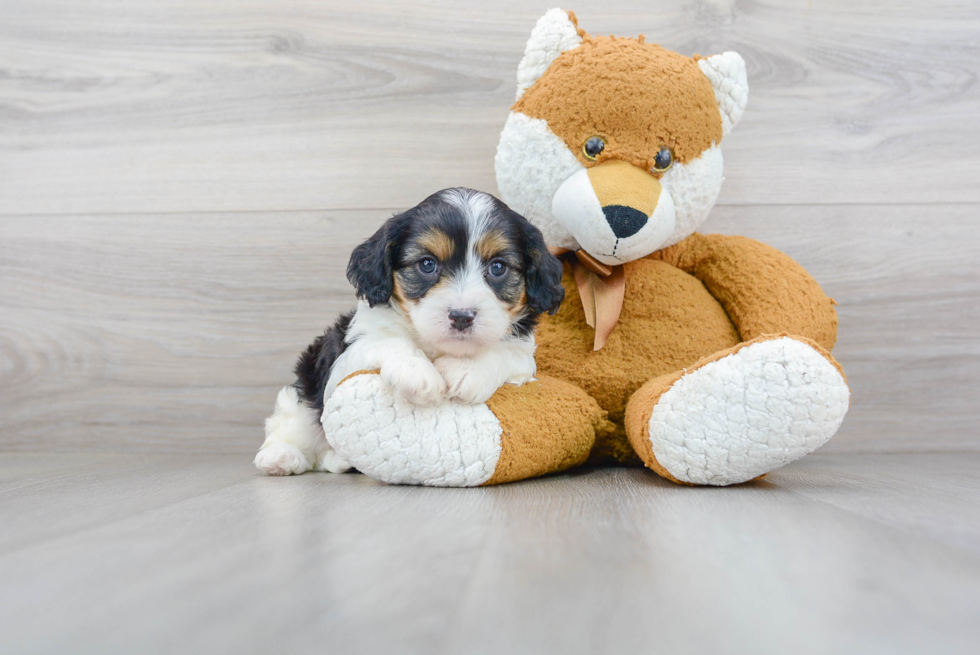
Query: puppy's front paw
466,380
416,380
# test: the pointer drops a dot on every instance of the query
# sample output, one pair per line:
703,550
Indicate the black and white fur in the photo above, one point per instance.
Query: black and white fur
449,294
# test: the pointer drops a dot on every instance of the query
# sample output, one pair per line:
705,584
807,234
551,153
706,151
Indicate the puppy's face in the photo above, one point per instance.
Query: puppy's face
463,267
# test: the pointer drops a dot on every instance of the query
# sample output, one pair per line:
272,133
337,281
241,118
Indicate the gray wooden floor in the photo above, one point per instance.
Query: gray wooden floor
126,553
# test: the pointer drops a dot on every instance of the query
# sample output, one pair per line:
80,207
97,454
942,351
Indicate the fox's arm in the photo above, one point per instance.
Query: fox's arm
763,290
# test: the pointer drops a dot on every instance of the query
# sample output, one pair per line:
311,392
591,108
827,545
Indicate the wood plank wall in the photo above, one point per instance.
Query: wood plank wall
181,183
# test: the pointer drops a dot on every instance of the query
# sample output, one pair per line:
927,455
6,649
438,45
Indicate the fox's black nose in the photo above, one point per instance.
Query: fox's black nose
624,221
462,319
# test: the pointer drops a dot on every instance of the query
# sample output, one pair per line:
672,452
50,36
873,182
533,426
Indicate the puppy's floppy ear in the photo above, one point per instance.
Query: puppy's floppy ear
372,264
542,273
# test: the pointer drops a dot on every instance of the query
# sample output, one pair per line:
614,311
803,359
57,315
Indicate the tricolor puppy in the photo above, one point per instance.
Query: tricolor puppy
449,294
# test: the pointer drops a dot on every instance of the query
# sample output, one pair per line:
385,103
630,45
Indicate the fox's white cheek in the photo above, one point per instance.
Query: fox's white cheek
531,164
689,192
694,188
577,208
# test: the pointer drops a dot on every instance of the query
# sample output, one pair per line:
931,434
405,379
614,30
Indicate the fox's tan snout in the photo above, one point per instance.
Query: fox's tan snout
627,194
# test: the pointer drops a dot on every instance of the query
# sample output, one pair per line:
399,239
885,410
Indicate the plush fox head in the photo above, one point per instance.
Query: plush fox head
613,145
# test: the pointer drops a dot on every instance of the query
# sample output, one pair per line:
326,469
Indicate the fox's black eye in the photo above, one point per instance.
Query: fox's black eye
594,145
427,266
663,160
497,268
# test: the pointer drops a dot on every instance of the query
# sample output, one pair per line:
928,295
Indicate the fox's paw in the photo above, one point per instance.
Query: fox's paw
732,419
446,444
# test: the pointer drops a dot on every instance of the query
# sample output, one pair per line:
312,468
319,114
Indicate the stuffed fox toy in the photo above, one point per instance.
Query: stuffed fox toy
705,358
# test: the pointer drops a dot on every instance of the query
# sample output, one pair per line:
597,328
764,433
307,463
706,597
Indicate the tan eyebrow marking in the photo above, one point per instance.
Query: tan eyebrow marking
492,244
437,242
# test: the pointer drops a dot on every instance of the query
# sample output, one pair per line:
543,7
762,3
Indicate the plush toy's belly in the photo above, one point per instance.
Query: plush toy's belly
669,321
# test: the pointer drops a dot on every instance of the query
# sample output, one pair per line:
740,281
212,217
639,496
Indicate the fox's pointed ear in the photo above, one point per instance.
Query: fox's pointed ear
555,32
727,75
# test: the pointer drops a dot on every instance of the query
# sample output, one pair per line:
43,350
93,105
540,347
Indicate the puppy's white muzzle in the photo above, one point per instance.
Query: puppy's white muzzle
615,211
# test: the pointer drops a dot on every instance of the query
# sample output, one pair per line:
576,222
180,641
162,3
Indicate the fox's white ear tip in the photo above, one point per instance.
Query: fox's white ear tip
555,12
553,34
727,75
555,16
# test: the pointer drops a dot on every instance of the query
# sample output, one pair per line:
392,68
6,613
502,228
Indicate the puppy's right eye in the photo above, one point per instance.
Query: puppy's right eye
427,265
497,268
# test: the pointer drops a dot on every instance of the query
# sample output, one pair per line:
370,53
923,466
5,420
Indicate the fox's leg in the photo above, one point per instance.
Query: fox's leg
294,441
521,432
739,413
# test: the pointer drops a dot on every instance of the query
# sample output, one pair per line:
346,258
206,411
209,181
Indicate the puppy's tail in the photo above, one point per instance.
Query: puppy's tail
292,421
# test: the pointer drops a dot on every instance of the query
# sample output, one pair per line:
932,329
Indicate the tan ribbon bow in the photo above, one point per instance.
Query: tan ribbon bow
601,289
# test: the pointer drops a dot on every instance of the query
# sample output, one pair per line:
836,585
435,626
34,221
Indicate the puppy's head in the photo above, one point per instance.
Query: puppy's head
463,267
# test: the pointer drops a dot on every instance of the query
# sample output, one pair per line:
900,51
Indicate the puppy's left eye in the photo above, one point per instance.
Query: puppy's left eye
497,268
427,265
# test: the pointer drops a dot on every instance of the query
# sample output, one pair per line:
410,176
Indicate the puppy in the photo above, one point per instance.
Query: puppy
449,294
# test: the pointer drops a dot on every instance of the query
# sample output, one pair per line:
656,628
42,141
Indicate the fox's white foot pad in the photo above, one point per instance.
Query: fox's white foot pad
281,458
445,445
751,412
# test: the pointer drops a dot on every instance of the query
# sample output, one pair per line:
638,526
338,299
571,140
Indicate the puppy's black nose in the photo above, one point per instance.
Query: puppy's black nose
462,319
624,221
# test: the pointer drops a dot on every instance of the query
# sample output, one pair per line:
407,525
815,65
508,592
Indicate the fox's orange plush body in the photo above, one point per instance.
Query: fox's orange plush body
704,357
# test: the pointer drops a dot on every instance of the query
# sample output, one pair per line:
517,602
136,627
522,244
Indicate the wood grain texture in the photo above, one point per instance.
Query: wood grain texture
181,184
150,332
160,554
165,333
185,106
